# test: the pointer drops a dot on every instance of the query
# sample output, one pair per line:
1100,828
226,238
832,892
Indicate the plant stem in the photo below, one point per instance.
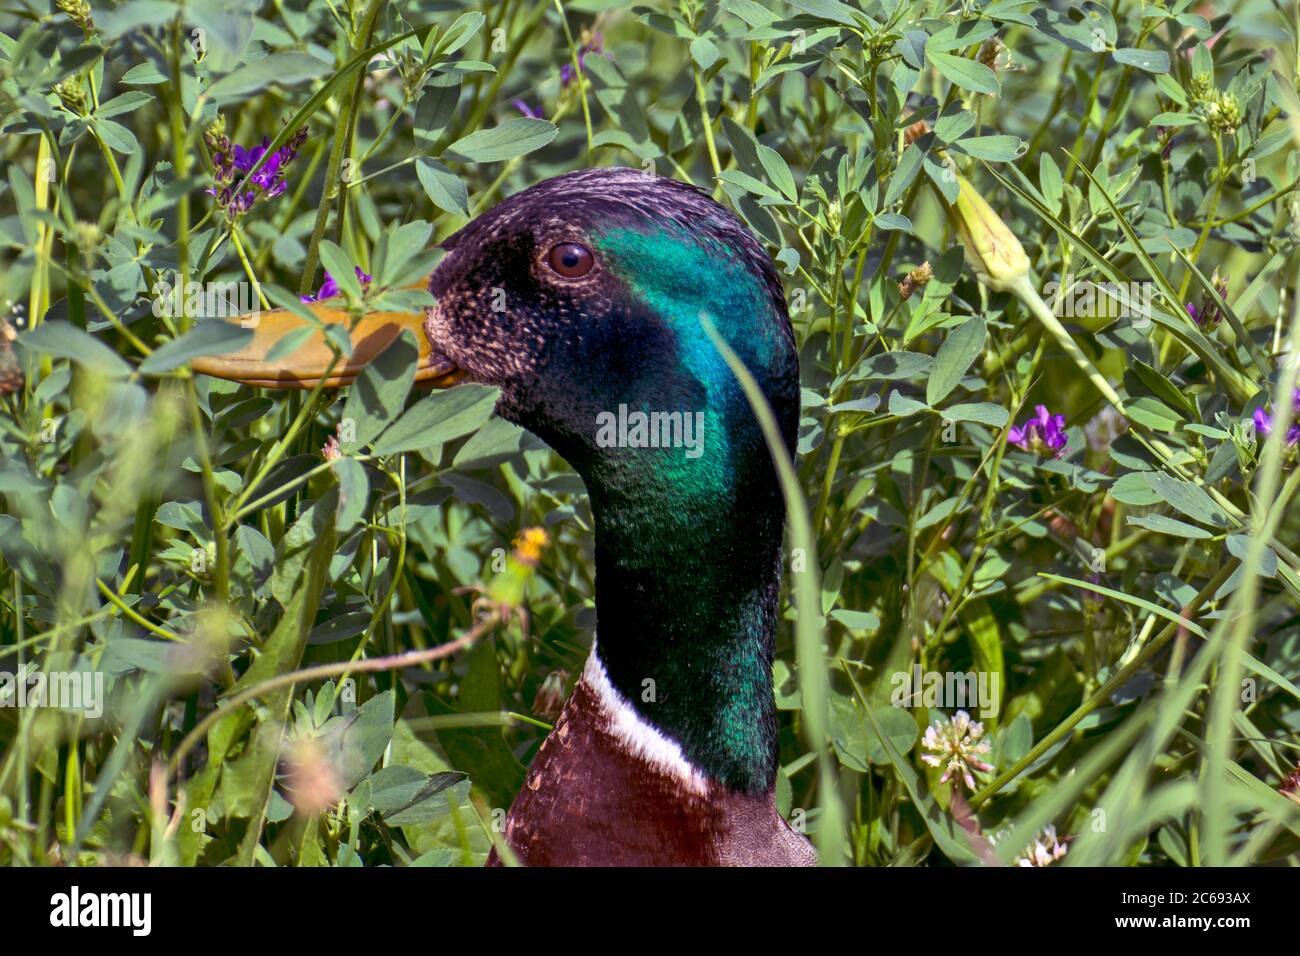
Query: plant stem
323,671
343,124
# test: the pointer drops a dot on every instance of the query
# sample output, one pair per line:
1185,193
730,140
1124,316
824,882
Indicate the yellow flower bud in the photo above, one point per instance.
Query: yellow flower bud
508,586
529,544
992,251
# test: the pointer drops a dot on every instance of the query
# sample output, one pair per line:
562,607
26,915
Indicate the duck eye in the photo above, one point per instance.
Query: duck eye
570,260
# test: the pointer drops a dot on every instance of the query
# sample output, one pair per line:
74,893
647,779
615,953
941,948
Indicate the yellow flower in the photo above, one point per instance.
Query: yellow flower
529,544
508,587
992,251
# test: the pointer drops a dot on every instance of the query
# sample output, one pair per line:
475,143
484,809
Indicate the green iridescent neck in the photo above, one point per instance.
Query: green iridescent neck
688,540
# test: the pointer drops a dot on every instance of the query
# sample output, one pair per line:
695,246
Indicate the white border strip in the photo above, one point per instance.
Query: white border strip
641,738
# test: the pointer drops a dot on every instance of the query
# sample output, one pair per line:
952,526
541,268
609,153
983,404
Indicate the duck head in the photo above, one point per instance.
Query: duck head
584,294
582,298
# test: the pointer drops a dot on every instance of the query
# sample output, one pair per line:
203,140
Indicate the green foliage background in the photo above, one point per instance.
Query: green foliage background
1135,598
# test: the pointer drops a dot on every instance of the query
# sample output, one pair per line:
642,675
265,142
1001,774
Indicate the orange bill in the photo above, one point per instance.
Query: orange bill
309,364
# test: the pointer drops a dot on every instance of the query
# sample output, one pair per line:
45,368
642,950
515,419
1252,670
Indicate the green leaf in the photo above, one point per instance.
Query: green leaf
986,646
439,418
64,340
1167,525
953,124
831,10
354,493
397,247
227,29
858,621
704,52
902,406
1185,497
514,137
892,220
1154,414
908,166
403,796
116,136
1239,544
1160,386
938,513
16,477
404,300
994,149
856,745
777,171
1132,489
380,391
1174,119
340,268
892,366
126,103
1049,182
958,351
749,184
357,740
444,188
983,413
285,69
968,74
458,34
144,74
960,35
1152,61
298,545
434,111
127,17
497,441
755,14
210,337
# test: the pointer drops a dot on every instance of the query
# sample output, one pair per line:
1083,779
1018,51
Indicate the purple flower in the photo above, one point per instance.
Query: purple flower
1264,422
1208,316
1166,135
591,43
1043,434
329,288
230,161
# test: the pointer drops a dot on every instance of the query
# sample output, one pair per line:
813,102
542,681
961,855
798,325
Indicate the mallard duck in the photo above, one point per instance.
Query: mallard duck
581,299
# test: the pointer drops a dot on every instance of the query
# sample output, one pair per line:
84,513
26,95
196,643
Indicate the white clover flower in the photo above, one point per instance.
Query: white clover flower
1045,849
956,743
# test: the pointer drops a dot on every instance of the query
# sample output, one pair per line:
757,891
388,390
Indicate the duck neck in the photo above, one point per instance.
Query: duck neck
687,591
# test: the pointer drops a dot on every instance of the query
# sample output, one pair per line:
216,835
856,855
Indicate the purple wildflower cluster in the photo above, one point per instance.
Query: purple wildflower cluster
330,288
1264,422
232,161
1043,434
1208,316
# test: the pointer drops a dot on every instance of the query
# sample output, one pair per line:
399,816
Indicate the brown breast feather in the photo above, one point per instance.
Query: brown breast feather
589,801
